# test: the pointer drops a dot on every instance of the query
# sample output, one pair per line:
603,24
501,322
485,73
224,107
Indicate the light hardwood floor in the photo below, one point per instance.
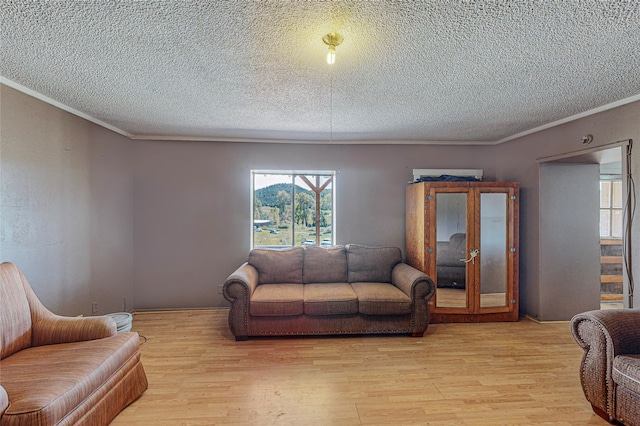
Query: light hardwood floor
522,373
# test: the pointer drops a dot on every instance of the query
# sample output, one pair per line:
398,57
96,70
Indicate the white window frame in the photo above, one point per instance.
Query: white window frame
611,208
332,173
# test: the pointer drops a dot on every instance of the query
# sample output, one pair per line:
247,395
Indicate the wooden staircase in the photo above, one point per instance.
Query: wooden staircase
611,270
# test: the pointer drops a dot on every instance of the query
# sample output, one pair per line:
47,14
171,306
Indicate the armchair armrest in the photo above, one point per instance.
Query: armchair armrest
621,328
54,329
603,335
414,283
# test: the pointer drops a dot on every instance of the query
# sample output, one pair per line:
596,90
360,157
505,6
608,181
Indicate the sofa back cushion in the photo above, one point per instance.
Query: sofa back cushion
277,266
458,241
325,264
371,264
15,315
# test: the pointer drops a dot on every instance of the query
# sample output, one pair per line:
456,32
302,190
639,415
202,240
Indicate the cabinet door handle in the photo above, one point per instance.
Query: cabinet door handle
472,253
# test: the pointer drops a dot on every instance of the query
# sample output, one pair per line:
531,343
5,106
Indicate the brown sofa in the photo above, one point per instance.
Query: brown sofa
58,370
610,369
312,290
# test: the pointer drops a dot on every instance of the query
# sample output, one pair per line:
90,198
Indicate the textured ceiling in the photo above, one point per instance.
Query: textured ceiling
458,71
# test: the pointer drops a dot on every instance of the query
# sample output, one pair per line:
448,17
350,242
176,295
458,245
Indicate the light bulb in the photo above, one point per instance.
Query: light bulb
331,56
332,40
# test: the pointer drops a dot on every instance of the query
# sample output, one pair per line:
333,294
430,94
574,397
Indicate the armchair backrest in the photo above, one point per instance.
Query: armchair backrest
15,315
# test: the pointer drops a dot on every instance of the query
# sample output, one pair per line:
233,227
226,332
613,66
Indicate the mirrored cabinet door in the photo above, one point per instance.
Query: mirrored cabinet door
493,250
451,249
465,237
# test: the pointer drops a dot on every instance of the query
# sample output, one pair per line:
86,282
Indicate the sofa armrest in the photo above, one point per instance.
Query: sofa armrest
4,401
56,329
238,289
241,283
413,282
603,335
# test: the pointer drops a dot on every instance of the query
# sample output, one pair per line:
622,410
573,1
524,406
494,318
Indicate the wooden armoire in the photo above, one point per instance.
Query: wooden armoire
464,235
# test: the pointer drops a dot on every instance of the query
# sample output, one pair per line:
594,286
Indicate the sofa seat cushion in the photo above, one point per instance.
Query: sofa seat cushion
278,265
325,264
330,299
272,300
45,383
381,299
626,372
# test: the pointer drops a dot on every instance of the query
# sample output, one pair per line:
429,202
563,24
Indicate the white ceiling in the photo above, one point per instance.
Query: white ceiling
244,70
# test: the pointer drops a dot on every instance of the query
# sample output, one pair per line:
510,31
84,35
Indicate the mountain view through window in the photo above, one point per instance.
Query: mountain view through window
292,208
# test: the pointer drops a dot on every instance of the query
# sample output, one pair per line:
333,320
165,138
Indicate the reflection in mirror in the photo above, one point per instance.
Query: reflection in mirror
493,250
451,248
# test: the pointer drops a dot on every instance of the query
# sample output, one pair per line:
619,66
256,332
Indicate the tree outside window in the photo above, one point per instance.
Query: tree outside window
292,208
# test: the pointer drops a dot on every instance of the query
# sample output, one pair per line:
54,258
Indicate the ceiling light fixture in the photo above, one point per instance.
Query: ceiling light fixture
332,40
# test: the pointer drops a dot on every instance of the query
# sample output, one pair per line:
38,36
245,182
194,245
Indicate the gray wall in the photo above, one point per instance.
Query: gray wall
66,210
517,160
569,239
192,205
68,213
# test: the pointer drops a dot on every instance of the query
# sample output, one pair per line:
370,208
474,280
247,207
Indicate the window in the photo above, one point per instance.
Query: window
611,208
292,208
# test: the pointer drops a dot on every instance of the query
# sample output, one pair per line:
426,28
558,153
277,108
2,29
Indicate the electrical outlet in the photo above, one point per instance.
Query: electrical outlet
220,289
94,308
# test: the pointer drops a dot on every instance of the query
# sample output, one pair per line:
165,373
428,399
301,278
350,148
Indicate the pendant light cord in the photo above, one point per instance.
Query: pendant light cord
330,103
630,210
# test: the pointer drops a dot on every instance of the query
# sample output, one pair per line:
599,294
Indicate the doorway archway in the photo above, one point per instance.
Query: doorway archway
570,205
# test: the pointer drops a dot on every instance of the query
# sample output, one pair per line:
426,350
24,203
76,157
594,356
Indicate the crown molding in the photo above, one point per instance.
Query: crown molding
46,99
